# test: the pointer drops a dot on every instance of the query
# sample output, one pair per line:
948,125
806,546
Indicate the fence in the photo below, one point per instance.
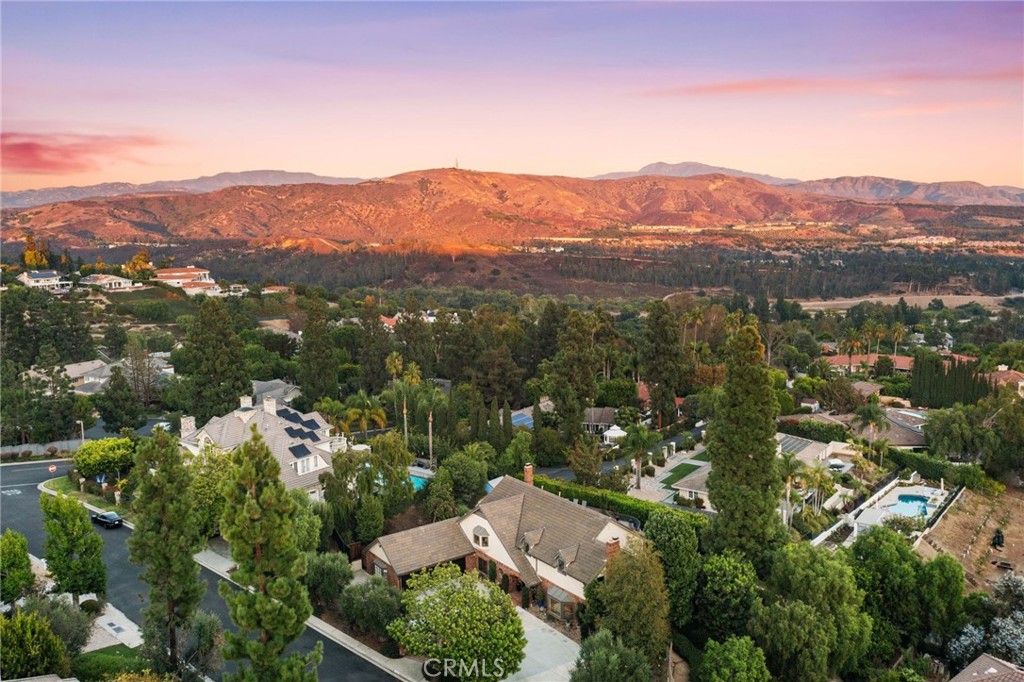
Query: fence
41,448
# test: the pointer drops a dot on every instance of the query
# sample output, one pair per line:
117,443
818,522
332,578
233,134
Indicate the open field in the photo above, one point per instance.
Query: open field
966,530
922,300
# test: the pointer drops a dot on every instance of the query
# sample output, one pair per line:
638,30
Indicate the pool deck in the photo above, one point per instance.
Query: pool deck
933,496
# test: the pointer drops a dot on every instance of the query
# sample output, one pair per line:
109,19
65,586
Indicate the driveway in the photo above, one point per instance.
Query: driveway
19,510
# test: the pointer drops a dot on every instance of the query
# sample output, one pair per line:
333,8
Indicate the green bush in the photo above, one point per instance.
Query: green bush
812,429
690,652
619,503
99,666
104,456
326,577
649,470
371,606
91,606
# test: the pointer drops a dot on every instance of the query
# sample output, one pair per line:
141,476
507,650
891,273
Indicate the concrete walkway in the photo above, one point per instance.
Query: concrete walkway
550,655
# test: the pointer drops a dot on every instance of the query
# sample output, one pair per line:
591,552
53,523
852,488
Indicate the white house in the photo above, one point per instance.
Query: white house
175,277
49,280
301,443
108,282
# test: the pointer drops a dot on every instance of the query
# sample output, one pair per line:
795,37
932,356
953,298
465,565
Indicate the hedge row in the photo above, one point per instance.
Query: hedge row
690,652
611,501
812,429
932,468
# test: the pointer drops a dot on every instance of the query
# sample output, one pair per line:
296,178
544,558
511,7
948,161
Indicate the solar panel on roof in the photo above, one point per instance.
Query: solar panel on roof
299,450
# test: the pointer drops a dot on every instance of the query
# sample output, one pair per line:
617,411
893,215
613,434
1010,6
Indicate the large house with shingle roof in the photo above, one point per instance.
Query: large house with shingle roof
534,537
301,442
987,668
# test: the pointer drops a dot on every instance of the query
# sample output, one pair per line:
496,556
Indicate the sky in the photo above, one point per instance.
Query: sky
136,92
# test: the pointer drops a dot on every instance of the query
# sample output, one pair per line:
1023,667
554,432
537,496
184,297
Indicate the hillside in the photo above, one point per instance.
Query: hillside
888,189
209,183
449,207
688,169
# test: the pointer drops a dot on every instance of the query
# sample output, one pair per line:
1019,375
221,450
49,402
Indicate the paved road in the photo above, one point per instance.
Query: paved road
19,509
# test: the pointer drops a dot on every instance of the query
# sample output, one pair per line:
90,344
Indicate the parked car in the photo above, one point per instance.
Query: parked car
108,519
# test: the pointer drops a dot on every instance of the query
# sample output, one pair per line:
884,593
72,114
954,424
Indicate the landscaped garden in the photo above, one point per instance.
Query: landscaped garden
678,472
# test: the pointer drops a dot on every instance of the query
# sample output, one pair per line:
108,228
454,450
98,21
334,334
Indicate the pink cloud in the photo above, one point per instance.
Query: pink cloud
935,108
881,85
62,153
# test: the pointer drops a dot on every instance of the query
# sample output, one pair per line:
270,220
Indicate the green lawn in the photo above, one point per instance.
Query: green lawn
101,664
179,304
679,471
64,485
702,457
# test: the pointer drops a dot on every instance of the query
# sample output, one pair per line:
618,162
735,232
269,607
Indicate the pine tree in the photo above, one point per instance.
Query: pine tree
118,404
220,377
273,604
744,485
318,375
166,536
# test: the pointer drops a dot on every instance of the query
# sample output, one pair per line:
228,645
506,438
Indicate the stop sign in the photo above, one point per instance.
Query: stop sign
53,468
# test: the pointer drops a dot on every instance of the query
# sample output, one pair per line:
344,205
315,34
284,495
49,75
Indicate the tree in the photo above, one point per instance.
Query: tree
209,469
737,659
371,605
675,541
851,344
897,332
272,604
639,439
364,409
369,520
744,485
790,467
604,658
662,359
585,461
326,577
516,454
219,377
942,596
455,615
728,590
16,577
72,625
115,338
374,345
871,417
790,633
118,404
166,536
306,523
641,623
468,476
30,648
318,373
73,549
141,371
432,399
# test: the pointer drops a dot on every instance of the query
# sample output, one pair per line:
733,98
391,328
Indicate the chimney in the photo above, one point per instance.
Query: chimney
528,474
245,401
188,425
611,548
270,406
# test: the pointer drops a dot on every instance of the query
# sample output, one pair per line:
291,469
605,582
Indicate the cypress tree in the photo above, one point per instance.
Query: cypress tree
318,375
220,376
506,425
494,432
166,536
744,485
118,404
271,609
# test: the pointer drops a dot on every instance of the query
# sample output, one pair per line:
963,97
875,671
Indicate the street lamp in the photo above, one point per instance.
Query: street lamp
82,425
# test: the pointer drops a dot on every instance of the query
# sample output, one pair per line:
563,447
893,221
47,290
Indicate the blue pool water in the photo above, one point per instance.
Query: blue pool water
910,506
418,482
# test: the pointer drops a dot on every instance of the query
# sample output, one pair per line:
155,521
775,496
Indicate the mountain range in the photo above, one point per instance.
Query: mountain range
449,207
208,183
957,193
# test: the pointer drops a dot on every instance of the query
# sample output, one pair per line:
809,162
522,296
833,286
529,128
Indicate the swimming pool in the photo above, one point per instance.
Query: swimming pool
910,505
418,482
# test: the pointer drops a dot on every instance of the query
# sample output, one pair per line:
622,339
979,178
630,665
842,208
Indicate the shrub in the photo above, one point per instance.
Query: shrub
91,606
101,665
52,450
104,456
71,625
371,606
504,583
26,454
659,460
8,456
812,429
30,648
326,577
649,470
109,497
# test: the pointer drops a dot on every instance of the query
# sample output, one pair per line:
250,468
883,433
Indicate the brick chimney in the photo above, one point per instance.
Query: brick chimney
528,474
245,401
270,406
188,425
611,548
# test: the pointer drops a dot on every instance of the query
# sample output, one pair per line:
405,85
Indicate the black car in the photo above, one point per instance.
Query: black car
108,519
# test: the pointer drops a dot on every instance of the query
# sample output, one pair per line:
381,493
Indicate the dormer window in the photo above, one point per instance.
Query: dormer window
481,537
561,564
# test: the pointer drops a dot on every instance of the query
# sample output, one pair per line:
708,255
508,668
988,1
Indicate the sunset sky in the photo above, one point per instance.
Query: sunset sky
136,92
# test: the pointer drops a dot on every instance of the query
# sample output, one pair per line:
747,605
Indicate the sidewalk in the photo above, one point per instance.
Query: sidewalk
550,655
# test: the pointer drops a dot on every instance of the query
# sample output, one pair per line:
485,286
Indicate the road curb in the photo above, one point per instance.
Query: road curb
36,461
336,636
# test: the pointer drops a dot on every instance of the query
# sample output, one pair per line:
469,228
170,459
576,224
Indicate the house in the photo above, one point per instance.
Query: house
989,668
301,443
811,403
902,364
1004,376
278,389
534,537
107,282
695,486
643,393
95,380
175,277
200,287
50,280
597,420
866,389
276,289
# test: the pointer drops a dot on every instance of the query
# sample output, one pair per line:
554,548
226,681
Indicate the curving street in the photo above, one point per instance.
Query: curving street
19,510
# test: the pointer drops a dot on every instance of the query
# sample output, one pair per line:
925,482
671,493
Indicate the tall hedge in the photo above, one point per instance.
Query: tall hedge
105,456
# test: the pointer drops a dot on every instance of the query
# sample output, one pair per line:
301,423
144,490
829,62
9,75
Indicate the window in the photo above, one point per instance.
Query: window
561,564
480,540
304,465
692,494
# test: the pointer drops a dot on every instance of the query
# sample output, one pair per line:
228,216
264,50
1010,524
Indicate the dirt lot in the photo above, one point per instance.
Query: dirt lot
922,300
966,530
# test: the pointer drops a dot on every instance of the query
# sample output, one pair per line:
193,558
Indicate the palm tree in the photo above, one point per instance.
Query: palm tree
791,468
697,318
363,409
431,398
898,332
851,344
869,416
819,480
638,440
393,363
879,448
410,380
872,331
335,412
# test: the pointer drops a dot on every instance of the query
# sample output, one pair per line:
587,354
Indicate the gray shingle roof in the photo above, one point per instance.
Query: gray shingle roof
417,548
986,668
